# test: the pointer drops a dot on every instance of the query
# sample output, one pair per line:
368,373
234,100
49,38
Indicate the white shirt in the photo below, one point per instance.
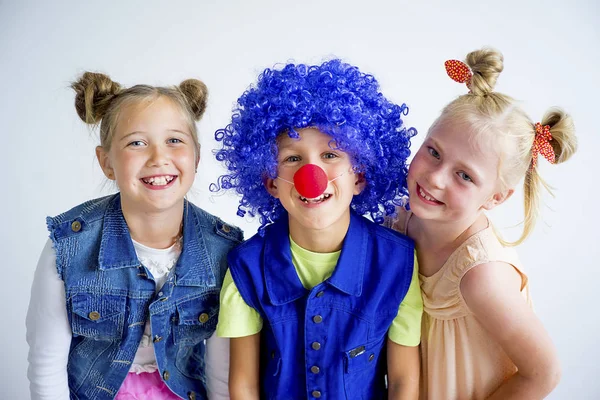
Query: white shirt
49,333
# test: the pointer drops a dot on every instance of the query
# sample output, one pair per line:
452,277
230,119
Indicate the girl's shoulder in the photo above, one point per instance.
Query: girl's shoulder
398,221
91,212
481,249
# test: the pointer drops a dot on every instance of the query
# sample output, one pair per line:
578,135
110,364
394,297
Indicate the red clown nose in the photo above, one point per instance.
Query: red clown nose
310,181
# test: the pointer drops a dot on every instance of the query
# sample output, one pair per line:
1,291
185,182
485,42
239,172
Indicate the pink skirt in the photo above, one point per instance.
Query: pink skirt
145,386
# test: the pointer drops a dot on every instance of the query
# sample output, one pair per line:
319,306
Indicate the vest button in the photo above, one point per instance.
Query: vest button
157,338
320,294
76,226
314,369
192,395
203,317
166,375
94,315
371,357
316,345
226,228
317,319
316,394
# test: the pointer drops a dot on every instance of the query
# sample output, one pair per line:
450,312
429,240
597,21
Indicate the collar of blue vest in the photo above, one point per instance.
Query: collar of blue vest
282,282
117,251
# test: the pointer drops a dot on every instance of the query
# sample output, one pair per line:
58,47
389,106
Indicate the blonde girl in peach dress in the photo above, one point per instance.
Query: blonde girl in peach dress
480,336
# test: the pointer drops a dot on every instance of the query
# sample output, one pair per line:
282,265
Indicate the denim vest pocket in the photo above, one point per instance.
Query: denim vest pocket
361,365
98,316
190,361
196,319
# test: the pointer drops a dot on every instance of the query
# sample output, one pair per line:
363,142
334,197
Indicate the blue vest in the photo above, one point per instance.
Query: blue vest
110,295
327,342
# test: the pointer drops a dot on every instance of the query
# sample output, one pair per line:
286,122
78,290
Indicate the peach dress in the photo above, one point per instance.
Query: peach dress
459,360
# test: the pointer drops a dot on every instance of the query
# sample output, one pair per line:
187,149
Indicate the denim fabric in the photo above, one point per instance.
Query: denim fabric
110,295
328,342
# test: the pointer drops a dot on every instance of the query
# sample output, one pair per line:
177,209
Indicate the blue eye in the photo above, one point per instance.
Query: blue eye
136,143
330,155
464,176
174,141
433,152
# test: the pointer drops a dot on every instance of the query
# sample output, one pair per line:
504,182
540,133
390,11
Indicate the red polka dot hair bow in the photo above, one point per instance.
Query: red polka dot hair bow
459,71
541,144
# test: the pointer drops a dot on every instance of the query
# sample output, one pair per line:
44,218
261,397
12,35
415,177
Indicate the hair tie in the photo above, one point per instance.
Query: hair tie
459,72
541,144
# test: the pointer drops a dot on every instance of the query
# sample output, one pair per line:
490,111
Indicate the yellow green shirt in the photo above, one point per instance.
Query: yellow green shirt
237,319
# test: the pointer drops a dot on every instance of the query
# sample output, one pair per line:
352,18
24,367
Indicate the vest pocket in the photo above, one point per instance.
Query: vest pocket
196,319
270,355
98,316
363,373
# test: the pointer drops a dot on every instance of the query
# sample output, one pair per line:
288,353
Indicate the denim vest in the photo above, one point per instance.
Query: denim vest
328,342
110,295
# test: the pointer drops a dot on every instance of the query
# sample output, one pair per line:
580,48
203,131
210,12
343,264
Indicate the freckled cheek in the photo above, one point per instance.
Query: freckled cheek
460,196
417,170
186,158
129,165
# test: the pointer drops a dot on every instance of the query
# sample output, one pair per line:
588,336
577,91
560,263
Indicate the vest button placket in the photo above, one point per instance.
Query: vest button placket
316,331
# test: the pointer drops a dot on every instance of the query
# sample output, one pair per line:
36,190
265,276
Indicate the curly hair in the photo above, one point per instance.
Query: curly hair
335,98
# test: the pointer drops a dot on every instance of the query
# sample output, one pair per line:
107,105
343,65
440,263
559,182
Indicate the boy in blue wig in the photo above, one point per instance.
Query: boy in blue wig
322,302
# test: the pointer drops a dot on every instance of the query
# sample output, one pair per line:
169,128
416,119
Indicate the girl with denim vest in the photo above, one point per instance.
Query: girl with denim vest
125,297
322,302
481,338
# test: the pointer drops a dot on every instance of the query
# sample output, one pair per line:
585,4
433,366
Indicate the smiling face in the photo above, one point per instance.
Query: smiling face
454,177
328,212
152,156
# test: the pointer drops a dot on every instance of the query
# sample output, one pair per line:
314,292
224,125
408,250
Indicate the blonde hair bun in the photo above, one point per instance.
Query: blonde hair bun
486,64
94,92
196,94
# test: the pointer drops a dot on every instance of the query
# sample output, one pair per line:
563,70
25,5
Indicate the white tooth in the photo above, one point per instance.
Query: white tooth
425,195
150,180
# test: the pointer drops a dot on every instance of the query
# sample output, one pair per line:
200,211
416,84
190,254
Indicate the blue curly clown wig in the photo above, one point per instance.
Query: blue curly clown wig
335,98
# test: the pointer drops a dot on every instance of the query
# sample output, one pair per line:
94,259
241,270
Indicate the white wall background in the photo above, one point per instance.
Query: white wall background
552,57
